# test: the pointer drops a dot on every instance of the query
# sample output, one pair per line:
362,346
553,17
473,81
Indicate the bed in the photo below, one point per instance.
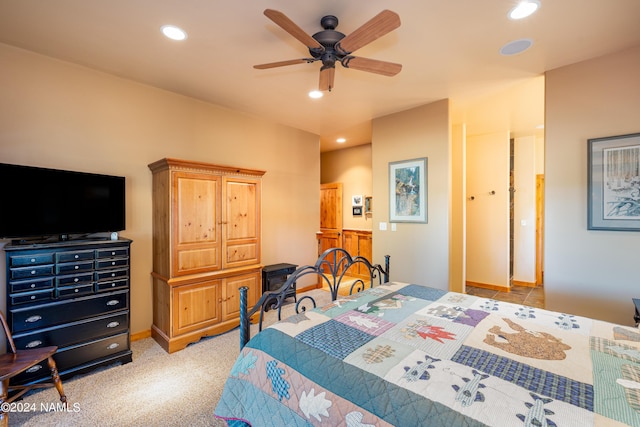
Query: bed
410,355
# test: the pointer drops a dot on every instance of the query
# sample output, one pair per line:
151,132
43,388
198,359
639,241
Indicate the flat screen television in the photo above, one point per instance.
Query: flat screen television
52,203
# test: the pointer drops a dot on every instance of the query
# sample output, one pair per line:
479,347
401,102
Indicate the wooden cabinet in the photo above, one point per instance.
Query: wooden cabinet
74,295
358,243
206,244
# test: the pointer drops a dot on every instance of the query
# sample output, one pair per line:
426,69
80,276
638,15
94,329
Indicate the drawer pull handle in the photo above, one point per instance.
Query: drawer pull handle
32,260
76,280
34,368
33,344
33,297
32,319
113,263
33,285
112,324
75,267
113,345
76,290
33,272
77,256
113,253
113,302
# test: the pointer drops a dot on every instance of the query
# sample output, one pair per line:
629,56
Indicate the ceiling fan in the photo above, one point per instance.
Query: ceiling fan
331,46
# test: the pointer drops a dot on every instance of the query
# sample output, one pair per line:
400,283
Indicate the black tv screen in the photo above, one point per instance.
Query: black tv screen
39,202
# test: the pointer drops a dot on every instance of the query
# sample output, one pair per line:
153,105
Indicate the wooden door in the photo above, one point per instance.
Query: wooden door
196,227
330,235
241,222
539,230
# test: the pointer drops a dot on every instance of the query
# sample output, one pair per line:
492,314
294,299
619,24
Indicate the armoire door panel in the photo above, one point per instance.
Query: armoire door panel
239,253
197,229
196,306
231,296
241,222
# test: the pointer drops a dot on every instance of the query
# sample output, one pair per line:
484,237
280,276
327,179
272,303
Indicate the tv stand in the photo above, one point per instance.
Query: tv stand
72,294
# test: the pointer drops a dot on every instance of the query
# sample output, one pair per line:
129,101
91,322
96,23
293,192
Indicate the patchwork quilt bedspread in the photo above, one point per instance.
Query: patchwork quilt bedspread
409,355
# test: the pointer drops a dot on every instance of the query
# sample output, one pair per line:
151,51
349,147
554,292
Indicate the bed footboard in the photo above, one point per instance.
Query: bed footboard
331,267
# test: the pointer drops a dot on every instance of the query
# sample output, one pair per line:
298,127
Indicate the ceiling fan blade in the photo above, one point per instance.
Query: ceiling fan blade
327,75
381,24
290,27
284,63
372,65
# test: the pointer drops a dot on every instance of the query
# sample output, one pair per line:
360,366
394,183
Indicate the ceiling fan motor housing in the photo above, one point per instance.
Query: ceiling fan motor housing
328,39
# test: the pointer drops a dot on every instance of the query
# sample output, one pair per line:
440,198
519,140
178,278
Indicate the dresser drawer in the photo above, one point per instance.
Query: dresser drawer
75,332
112,252
74,267
32,297
111,274
30,285
33,259
71,256
74,291
72,356
35,271
111,263
56,313
74,279
111,285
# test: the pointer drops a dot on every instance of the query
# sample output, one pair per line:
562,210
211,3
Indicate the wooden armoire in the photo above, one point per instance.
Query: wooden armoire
206,245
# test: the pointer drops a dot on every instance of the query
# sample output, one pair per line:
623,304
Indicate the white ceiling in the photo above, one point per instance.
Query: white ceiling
448,49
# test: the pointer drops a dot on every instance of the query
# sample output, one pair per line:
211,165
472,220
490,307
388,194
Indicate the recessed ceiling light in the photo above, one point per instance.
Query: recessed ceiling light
341,140
315,94
515,47
173,32
524,9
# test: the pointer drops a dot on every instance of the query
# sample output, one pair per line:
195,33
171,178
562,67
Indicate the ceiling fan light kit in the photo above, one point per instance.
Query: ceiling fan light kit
330,46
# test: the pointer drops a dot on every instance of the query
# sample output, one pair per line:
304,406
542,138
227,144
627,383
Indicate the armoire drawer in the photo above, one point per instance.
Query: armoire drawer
45,315
75,332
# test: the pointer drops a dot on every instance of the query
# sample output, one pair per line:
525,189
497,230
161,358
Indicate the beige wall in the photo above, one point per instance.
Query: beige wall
419,252
351,167
55,114
593,273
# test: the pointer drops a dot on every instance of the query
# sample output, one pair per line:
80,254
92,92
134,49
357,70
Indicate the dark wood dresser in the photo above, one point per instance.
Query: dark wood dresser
74,295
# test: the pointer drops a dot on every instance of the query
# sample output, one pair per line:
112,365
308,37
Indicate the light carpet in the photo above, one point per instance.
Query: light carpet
156,389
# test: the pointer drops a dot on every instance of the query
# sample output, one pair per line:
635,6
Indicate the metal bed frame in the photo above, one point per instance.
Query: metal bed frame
331,267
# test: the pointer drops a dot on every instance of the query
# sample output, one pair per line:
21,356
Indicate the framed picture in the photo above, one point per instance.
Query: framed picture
408,190
614,183
367,205
357,210
356,200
